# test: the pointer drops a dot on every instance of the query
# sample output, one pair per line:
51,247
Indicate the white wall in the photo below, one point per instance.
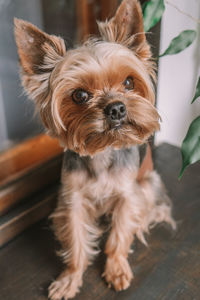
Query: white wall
178,74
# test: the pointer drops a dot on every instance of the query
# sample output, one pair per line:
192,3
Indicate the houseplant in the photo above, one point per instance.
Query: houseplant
153,11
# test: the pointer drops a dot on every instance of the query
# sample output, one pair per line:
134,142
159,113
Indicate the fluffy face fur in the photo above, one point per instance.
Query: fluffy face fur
100,67
98,100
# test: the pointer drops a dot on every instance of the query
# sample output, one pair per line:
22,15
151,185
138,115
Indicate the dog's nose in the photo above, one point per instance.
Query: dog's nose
115,112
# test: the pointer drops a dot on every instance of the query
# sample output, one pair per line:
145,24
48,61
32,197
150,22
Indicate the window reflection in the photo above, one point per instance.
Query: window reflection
16,113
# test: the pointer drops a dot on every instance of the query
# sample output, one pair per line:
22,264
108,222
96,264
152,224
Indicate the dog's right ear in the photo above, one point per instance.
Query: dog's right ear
38,54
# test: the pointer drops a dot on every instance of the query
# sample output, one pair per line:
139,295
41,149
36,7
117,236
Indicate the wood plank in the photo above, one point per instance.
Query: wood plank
19,159
27,214
92,24
108,9
82,17
32,181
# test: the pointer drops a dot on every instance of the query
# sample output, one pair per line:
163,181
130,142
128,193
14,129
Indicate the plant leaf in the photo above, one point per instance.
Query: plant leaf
144,6
197,93
152,13
190,148
181,42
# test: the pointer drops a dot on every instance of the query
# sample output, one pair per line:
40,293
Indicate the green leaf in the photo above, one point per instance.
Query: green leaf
190,149
152,13
144,6
179,43
197,93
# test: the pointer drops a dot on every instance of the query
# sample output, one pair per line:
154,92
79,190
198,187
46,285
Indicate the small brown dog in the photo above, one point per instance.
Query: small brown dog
98,100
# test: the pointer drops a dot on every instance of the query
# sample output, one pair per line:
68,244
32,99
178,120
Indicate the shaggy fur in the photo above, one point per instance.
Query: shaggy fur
98,100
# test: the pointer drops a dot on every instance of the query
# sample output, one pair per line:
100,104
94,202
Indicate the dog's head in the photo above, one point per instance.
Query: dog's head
99,94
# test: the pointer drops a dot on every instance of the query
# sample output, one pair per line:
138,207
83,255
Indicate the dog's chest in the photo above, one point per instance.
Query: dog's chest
108,173
108,185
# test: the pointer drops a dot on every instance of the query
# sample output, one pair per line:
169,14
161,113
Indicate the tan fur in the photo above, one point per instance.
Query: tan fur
50,76
135,208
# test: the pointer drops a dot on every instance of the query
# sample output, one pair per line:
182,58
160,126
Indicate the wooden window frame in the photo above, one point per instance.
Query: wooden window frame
29,179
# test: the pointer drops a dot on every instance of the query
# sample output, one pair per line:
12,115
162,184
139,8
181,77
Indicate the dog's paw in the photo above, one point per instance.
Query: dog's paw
66,286
118,273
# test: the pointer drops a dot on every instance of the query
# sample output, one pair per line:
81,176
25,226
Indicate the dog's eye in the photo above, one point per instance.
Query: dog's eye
80,96
129,83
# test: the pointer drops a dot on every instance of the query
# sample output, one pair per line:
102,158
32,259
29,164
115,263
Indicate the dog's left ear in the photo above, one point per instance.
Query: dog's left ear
126,27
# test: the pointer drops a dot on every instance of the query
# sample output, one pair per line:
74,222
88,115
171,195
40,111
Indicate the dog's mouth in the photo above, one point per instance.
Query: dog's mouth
127,130
118,124
123,124
118,135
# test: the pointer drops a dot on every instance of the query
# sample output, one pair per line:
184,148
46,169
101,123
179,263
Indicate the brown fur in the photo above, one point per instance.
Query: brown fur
101,180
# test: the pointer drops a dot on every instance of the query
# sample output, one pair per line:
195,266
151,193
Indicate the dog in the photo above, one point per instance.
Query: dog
98,101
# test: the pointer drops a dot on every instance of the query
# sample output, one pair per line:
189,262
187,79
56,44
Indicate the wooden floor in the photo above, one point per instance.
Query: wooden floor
168,269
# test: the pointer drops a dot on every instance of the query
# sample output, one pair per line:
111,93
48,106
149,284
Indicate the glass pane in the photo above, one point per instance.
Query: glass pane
17,119
16,113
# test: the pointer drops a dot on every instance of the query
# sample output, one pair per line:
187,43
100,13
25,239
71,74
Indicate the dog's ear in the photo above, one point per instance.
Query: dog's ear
126,27
37,50
38,54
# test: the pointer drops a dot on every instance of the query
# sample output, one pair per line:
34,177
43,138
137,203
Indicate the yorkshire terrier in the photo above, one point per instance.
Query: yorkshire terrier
98,100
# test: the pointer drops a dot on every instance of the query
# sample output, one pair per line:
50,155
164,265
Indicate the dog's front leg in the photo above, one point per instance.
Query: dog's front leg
74,227
117,270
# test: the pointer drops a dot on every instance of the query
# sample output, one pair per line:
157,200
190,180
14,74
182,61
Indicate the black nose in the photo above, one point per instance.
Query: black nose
115,112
